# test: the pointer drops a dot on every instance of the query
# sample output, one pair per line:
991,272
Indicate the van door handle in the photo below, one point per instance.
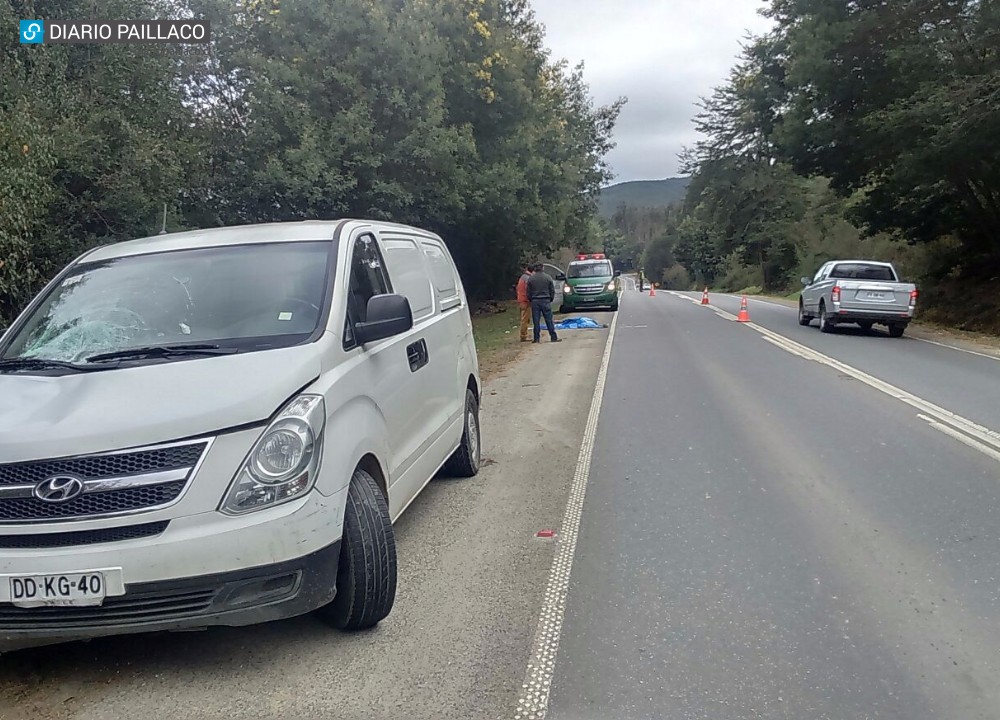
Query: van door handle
416,355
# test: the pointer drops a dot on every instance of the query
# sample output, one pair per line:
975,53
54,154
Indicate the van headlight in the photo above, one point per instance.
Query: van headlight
612,286
567,290
284,462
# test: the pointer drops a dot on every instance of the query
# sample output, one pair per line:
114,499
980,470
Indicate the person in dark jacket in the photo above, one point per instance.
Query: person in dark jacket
541,292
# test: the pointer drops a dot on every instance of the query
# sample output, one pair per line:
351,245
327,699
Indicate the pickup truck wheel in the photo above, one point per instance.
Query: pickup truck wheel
465,461
866,326
804,320
824,321
896,330
366,577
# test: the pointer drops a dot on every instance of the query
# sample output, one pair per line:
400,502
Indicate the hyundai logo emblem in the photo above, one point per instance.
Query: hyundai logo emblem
58,489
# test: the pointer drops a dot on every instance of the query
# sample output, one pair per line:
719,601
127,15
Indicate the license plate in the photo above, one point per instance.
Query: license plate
71,589
876,296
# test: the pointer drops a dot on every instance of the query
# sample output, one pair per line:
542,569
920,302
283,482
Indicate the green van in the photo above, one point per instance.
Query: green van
590,282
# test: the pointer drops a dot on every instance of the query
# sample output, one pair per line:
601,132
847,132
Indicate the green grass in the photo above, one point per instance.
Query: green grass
497,341
491,328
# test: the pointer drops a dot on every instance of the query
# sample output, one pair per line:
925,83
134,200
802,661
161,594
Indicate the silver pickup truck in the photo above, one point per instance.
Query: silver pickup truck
859,292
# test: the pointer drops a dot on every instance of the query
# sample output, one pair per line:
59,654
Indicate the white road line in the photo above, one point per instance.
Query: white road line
533,701
972,434
762,302
952,347
951,432
682,296
923,340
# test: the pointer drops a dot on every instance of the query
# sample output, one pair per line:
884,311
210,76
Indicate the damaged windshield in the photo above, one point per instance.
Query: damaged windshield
243,297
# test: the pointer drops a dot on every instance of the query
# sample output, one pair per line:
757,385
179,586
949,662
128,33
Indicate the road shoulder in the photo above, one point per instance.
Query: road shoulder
472,578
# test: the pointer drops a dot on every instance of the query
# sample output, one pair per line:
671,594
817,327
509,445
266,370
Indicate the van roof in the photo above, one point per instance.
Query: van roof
302,231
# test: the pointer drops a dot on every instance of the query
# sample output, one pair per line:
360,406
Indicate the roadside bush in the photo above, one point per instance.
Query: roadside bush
676,277
736,275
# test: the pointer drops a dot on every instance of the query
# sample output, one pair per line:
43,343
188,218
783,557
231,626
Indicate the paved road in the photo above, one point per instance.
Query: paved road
769,537
966,383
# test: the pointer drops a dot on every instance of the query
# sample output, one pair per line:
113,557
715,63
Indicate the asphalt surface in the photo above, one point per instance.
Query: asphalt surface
764,534
767,537
963,382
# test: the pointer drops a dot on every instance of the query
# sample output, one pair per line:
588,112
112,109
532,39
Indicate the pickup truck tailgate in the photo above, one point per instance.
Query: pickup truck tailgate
884,297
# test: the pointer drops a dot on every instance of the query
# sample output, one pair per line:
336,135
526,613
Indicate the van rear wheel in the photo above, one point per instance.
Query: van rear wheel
366,576
465,461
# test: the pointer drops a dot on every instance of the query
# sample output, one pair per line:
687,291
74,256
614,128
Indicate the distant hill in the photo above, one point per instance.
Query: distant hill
642,193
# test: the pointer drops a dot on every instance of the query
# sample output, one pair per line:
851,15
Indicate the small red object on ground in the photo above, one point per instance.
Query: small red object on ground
545,534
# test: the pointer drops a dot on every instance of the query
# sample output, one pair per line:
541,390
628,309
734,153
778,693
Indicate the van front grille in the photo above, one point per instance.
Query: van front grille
102,485
82,537
95,467
105,503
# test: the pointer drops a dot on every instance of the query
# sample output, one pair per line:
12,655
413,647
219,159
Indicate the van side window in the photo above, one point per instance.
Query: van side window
409,275
368,279
444,276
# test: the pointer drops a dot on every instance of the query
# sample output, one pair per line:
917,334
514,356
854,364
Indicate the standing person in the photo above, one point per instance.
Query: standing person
541,292
524,302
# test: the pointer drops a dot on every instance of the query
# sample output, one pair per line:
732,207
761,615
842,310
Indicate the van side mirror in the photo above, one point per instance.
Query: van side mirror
388,316
807,281
618,273
561,277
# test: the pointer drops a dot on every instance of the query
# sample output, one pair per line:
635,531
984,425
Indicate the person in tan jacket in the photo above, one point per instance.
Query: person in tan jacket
523,302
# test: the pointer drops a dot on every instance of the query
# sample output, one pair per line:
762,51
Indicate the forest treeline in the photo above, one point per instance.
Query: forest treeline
448,114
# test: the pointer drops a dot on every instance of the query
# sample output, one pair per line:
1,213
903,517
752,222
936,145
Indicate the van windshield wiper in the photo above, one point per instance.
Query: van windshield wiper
29,363
162,351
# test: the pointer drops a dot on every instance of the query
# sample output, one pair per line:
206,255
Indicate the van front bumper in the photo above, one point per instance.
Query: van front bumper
203,570
243,597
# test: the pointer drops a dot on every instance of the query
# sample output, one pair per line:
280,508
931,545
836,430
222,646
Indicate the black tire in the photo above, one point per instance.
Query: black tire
614,308
866,326
896,330
465,460
366,577
804,320
824,321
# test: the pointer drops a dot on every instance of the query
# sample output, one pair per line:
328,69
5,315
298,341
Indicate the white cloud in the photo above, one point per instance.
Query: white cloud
662,54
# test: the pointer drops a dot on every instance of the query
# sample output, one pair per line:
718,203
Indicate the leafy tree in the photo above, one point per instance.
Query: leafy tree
443,113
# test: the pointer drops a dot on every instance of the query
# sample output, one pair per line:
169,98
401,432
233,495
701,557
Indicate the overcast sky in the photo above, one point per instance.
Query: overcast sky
661,54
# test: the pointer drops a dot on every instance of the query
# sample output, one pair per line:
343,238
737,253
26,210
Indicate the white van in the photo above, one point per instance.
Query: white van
219,427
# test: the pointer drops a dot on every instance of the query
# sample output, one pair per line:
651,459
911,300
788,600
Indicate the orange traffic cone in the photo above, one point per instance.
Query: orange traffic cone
652,289
744,315
704,296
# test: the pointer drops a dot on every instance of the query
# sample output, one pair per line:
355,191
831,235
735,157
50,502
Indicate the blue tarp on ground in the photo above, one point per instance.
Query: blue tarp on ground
581,323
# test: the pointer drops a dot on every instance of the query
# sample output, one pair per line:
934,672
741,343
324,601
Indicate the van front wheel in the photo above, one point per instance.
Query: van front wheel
366,577
465,462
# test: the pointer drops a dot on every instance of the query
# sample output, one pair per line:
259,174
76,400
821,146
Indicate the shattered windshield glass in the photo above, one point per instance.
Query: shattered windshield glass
243,296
